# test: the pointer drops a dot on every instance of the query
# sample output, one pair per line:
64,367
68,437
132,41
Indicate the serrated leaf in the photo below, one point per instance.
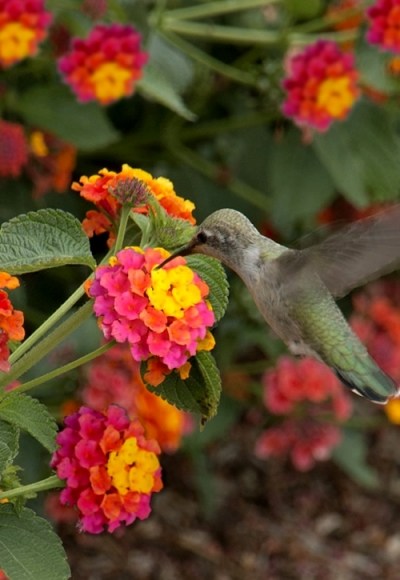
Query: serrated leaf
56,109
212,272
31,416
351,456
30,549
43,239
212,381
9,436
199,393
185,395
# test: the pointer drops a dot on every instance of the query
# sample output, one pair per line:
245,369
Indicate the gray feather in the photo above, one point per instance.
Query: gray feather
356,254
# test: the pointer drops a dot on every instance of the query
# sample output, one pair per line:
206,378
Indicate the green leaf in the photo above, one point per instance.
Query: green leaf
199,393
28,414
43,239
185,395
54,108
166,77
336,151
212,382
30,550
211,271
373,65
301,185
9,437
351,455
362,155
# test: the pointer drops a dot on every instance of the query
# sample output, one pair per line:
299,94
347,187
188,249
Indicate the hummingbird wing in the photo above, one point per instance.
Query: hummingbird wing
356,254
325,332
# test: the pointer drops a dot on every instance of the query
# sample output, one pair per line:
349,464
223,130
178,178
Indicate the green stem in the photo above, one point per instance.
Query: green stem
123,220
208,61
341,36
40,350
228,34
216,127
53,319
45,327
49,483
211,170
64,369
216,8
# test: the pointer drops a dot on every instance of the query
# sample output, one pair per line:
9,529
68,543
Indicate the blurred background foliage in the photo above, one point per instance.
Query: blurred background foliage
207,115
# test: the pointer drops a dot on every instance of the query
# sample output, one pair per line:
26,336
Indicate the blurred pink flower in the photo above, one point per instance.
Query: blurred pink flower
310,395
105,66
23,25
384,25
321,85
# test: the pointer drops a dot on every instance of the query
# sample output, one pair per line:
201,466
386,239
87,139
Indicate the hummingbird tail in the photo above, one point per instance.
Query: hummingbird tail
374,384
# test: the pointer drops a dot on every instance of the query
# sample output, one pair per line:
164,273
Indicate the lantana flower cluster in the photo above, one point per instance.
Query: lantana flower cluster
23,26
162,313
110,468
11,320
384,25
321,85
307,392
106,65
14,149
115,378
376,320
102,190
51,163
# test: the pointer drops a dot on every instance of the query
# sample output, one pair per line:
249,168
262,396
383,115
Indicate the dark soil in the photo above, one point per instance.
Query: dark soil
266,522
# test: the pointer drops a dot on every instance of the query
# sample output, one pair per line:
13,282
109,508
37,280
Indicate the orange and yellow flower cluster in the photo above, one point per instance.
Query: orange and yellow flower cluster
115,378
101,189
23,25
11,320
162,313
321,86
105,66
110,468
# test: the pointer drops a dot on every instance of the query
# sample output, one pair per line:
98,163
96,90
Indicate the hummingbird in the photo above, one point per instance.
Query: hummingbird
295,290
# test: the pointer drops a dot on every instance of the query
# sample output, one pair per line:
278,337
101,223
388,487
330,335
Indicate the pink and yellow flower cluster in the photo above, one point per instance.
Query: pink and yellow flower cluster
101,189
23,25
321,85
384,25
305,391
110,468
162,313
11,320
105,66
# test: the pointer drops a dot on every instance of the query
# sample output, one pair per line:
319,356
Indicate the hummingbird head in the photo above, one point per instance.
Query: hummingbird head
226,235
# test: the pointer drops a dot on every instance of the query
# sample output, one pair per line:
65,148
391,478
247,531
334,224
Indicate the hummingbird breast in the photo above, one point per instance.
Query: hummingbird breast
268,292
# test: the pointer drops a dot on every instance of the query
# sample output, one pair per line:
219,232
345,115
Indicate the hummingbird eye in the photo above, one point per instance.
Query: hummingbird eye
202,238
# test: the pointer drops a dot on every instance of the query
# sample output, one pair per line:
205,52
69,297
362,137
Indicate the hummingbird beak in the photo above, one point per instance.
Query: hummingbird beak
182,251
